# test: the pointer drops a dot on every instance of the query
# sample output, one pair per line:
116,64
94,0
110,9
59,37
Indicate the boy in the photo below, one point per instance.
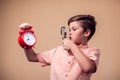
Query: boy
73,60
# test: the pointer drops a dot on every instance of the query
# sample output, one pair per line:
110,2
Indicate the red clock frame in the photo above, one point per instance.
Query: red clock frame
21,40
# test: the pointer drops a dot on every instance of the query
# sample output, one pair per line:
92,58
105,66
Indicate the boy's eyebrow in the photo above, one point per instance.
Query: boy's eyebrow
73,27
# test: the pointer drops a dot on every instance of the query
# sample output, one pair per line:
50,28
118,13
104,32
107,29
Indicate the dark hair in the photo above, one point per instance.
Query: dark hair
86,21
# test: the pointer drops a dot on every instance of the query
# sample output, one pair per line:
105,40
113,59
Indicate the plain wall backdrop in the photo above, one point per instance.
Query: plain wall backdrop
47,16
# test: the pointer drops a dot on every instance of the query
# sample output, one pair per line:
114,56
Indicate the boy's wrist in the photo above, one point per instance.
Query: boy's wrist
72,45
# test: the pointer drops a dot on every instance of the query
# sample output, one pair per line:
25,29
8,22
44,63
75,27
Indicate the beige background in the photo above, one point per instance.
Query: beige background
47,16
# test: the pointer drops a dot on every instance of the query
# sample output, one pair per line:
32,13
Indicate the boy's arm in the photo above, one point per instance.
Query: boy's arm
86,64
31,55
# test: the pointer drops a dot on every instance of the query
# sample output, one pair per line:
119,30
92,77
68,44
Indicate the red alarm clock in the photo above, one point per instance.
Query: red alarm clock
26,39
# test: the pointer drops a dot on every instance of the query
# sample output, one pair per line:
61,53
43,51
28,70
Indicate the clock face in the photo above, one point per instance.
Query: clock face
29,38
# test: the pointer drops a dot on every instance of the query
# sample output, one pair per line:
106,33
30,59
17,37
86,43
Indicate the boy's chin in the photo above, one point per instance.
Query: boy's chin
77,43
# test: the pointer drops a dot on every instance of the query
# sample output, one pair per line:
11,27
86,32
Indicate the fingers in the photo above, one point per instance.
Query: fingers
65,44
25,26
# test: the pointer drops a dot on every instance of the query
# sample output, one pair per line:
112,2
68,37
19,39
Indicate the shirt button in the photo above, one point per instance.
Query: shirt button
66,75
69,62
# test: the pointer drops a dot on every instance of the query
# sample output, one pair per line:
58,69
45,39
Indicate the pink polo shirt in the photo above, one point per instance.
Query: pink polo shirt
64,65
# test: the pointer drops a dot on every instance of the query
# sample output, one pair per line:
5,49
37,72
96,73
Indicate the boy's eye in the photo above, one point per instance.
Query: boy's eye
73,29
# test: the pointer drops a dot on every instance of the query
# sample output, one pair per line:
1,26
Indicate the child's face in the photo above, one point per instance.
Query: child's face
76,33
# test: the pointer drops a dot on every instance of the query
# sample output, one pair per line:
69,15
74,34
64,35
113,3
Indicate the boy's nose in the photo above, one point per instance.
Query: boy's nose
70,33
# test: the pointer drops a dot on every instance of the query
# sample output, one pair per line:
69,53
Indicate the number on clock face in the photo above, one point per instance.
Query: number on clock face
29,38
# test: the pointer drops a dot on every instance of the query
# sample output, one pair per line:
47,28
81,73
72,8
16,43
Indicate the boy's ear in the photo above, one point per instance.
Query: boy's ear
87,33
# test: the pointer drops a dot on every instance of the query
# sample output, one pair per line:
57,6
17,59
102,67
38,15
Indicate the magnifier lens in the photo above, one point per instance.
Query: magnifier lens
63,32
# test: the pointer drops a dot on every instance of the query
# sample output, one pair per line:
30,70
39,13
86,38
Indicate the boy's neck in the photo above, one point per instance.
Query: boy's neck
83,46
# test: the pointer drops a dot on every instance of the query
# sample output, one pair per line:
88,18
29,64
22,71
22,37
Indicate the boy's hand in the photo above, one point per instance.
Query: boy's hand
67,44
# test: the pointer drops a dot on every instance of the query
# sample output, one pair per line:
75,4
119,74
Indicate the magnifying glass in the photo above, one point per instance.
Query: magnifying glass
63,32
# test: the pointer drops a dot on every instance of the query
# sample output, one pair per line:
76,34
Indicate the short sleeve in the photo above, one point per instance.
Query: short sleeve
45,57
94,55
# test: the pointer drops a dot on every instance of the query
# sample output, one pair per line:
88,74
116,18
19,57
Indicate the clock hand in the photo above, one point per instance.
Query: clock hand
28,39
